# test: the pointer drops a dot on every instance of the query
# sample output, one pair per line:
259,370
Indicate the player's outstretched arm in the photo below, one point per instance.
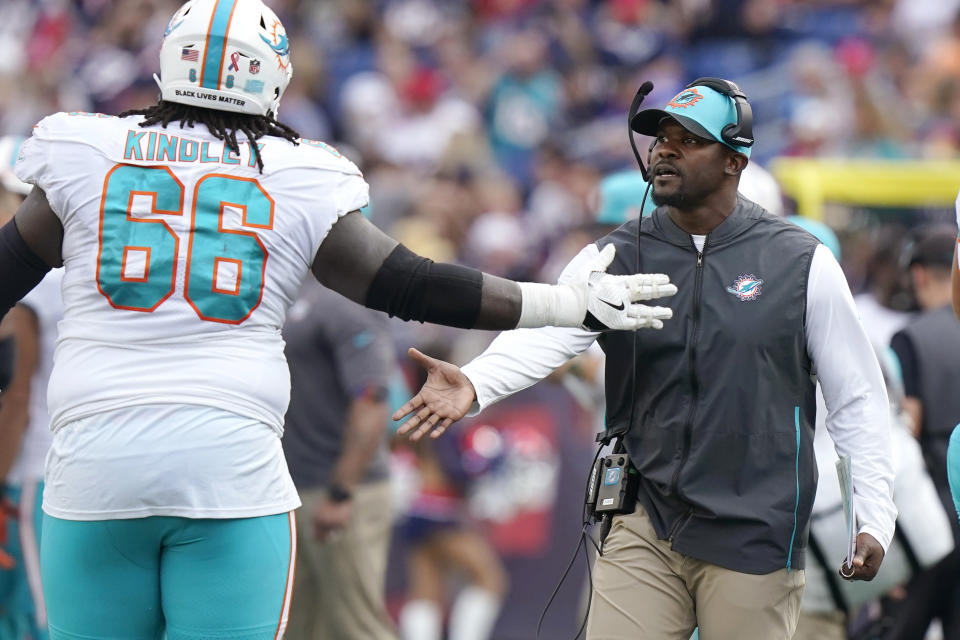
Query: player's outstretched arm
29,248
362,263
443,399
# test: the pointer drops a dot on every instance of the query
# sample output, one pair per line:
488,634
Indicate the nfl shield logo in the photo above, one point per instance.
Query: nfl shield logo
254,66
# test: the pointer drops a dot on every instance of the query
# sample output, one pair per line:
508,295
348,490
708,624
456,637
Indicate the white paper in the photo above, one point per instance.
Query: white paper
845,475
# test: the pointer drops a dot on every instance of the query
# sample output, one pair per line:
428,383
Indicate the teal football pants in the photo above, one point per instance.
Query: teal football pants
953,470
22,612
190,579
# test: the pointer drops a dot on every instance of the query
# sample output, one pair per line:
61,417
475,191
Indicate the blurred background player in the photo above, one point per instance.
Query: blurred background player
24,434
923,537
342,364
928,351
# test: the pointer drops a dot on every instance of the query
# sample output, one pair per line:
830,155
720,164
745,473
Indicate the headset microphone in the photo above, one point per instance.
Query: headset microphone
642,93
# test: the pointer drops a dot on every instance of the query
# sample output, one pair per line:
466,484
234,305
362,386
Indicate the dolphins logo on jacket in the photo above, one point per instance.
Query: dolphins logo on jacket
746,287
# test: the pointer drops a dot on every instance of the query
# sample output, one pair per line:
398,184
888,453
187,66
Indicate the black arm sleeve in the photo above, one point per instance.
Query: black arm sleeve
412,287
20,268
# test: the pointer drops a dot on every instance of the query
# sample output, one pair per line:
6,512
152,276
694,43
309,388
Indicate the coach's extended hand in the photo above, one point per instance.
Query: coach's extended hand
445,397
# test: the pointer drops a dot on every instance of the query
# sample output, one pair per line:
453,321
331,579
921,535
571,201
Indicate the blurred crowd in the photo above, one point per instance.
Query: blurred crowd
485,127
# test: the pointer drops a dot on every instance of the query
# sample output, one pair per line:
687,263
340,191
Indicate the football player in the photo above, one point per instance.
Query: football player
168,507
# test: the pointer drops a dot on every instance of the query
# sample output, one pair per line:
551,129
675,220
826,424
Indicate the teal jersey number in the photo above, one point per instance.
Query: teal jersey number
136,267
226,268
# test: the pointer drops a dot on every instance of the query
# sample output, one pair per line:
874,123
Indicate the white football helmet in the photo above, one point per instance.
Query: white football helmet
230,55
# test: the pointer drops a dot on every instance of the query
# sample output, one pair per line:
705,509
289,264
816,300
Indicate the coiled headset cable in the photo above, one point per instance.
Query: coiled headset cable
606,437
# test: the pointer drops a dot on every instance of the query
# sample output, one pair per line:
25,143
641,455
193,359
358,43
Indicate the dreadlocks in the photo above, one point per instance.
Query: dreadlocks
223,125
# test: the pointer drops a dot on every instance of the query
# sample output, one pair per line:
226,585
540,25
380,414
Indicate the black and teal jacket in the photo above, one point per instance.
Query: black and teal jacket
720,403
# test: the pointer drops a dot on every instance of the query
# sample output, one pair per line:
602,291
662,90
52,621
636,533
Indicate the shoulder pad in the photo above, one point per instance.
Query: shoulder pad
72,125
309,153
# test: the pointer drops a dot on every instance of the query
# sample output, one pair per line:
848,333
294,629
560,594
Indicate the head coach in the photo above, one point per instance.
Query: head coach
717,410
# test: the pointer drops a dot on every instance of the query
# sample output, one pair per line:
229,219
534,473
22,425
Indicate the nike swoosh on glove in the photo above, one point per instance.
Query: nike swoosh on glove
613,302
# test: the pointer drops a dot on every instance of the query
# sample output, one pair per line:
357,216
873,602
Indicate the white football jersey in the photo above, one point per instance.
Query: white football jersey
44,301
181,260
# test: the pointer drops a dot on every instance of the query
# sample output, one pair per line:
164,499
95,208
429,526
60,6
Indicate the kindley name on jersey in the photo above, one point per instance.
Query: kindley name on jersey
155,146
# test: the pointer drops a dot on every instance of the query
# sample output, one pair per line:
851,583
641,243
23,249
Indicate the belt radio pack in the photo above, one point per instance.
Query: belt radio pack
613,486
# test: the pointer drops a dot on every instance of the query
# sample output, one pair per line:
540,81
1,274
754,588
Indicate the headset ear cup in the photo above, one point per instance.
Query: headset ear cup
729,132
742,128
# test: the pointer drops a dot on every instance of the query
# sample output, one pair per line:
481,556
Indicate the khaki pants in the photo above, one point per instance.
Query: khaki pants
642,589
338,588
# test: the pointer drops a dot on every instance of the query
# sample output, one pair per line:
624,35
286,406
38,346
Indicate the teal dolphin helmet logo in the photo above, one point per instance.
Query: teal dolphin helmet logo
173,25
281,47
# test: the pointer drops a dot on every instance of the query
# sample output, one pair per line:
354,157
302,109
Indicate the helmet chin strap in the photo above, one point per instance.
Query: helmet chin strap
156,79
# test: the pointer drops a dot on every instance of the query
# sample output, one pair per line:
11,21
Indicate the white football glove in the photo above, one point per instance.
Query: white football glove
597,301
613,300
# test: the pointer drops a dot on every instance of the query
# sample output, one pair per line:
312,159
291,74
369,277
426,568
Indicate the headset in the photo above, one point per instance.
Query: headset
739,133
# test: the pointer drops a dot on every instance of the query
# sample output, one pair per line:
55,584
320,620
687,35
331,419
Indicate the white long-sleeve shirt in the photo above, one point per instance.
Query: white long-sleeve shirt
842,356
